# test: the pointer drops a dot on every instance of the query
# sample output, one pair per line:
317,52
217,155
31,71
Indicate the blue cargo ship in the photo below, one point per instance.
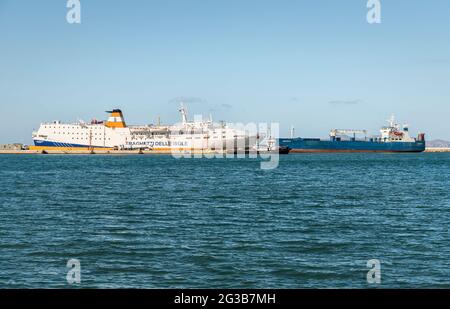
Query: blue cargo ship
392,139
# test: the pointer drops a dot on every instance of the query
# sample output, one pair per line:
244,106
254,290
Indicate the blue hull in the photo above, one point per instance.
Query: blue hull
317,145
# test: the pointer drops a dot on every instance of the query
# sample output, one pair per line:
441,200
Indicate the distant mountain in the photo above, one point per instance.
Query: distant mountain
438,143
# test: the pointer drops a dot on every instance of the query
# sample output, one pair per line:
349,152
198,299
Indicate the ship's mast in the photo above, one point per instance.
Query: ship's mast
183,112
90,140
391,121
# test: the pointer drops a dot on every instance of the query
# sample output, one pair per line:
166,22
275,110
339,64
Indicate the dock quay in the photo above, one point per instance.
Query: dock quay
86,151
104,152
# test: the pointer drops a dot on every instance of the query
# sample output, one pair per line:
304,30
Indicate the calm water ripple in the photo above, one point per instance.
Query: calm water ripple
160,222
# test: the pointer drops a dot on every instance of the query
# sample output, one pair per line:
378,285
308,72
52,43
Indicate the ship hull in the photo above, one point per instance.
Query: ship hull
169,145
300,145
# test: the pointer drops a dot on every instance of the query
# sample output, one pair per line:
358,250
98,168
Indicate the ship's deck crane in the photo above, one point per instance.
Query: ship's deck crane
335,132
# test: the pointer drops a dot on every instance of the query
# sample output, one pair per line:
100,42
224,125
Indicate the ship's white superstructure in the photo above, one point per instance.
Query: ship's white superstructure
391,133
115,134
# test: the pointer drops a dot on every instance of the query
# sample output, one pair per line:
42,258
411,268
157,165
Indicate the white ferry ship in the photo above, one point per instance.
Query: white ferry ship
115,134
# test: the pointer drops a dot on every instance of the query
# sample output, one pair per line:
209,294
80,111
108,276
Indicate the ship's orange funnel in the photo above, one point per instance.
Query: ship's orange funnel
115,119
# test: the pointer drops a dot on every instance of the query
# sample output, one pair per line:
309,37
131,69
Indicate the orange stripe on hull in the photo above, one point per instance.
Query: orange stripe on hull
183,149
111,148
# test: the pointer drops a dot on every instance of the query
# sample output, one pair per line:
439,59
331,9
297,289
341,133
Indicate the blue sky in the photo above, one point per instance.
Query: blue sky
316,64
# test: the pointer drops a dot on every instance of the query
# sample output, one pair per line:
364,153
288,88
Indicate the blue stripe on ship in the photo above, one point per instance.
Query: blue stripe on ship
57,144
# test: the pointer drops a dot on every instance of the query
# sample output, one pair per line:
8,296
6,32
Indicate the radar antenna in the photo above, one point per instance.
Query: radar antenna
183,112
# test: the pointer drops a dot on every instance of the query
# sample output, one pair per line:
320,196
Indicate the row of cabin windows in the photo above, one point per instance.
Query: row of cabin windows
54,132
74,138
73,128
194,132
215,137
384,139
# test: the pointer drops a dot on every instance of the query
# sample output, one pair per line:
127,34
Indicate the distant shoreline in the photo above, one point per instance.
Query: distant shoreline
138,152
437,149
